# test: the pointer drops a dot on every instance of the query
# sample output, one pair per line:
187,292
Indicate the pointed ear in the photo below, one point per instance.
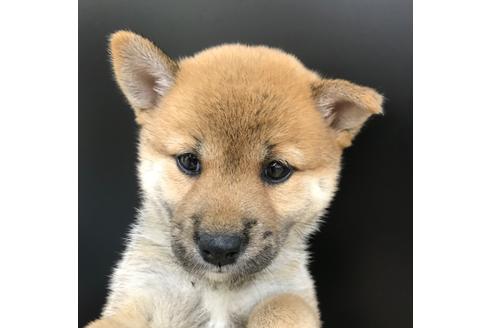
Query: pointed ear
143,72
346,106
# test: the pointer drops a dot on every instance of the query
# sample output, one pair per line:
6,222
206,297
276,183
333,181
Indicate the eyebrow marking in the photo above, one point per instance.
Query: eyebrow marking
269,150
198,146
287,153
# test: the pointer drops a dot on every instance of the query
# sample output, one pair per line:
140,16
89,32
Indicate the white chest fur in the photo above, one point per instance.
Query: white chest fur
218,306
226,306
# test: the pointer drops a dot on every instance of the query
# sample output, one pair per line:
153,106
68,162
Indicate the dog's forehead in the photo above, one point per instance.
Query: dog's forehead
244,100
237,88
241,120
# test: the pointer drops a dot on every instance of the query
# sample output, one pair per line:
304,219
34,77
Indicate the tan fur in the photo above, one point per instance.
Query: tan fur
237,107
286,311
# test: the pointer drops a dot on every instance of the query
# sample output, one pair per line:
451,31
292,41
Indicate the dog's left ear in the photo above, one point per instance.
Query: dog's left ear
346,106
143,72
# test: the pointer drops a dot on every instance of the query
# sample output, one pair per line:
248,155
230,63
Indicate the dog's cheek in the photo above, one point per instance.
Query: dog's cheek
150,173
159,178
304,198
321,191
174,183
289,198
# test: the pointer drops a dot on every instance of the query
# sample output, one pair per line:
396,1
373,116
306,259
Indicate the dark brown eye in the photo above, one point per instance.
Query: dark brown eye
276,172
189,164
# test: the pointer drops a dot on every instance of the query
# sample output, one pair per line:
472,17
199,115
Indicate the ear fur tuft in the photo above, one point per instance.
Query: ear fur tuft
143,72
346,106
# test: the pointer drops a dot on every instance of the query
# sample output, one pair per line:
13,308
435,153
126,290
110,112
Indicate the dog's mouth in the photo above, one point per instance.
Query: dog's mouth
249,262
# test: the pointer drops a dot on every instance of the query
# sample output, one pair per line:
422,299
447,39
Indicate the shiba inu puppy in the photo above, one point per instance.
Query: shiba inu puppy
239,156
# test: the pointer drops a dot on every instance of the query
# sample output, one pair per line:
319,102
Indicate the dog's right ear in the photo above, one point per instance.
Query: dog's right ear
143,72
346,106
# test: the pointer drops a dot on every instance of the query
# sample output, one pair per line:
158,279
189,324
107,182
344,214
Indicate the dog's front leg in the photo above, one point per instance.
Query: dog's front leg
128,318
115,322
284,311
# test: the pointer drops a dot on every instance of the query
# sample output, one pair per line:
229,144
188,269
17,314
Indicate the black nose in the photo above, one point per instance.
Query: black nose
219,249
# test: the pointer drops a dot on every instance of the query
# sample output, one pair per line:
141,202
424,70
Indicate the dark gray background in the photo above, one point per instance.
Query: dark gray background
362,259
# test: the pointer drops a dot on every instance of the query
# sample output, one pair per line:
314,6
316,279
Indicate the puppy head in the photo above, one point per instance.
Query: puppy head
241,144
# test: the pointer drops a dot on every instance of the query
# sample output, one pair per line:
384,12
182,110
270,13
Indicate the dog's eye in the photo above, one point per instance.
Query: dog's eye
188,163
276,172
